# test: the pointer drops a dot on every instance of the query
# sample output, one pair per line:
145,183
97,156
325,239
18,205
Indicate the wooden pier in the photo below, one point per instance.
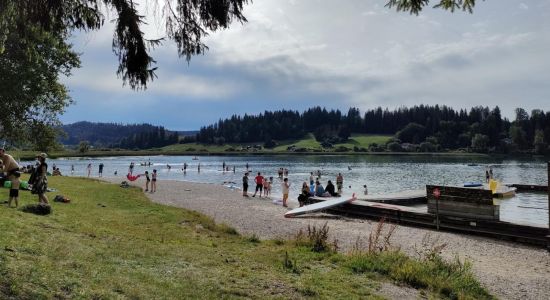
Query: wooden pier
529,187
415,216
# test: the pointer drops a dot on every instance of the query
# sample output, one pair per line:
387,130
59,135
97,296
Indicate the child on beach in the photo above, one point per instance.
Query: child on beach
154,181
366,191
14,190
286,188
147,180
267,187
245,185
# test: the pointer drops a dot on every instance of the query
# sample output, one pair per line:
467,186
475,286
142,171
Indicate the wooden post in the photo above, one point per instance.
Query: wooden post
437,212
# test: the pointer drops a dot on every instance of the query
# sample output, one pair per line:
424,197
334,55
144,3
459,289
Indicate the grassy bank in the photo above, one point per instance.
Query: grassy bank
111,242
306,146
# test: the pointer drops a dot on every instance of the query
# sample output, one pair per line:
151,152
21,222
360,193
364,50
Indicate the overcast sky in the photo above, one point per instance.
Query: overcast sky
294,54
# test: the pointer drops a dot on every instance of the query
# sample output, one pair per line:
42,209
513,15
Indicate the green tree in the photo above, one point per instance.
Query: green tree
539,143
480,143
31,94
518,136
187,22
83,146
412,133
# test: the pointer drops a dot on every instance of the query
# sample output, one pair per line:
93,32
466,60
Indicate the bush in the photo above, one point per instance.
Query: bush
342,149
190,149
394,147
427,147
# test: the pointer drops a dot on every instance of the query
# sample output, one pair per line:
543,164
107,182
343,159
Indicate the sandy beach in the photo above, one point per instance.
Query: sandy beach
508,270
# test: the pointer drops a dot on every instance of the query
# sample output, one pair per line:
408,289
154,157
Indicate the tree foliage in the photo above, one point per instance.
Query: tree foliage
480,128
187,22
31,61
416,6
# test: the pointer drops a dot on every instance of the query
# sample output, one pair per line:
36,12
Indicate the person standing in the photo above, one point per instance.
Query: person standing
89,168
487,176
245,185
339,182
10,166
286,189
72,170
40,180
199,168
101,170
259,184
154,181
491,173
14,190
131,168
184,167
247,166
147,181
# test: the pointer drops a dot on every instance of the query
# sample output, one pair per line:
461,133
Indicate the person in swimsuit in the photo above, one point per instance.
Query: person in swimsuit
154,181
147,180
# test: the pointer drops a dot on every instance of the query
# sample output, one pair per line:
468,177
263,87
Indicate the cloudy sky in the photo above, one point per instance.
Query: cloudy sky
295,54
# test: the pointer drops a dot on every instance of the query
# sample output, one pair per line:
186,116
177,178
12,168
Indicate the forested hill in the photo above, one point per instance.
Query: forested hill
109,134
431,128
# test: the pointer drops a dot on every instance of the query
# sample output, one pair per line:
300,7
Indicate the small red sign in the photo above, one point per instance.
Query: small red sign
436,193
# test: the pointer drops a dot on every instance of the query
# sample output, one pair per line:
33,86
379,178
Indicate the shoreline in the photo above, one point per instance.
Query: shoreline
115,153
509,270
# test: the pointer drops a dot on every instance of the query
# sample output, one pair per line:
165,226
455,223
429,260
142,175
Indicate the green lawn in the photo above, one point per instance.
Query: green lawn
308,142
364,140
113,243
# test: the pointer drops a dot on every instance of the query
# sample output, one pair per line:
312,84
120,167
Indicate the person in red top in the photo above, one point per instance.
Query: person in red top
259,184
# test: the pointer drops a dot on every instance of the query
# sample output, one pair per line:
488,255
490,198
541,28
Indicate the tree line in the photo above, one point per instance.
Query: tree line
422,128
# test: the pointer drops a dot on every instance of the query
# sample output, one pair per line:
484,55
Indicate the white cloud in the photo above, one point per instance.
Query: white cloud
362,54
523,6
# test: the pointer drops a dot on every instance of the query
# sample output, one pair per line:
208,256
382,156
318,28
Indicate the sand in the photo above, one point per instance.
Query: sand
508,270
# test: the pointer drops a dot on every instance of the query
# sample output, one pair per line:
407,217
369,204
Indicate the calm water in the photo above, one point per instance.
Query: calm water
382,174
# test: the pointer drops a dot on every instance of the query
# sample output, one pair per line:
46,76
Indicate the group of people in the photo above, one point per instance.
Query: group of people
314,188
263,185
10,170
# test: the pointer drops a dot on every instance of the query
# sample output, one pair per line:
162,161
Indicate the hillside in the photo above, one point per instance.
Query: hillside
105,134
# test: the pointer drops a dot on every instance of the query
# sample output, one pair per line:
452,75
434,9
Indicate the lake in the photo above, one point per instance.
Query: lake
381,173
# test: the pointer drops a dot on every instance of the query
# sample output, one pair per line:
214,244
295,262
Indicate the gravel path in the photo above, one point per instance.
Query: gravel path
508,270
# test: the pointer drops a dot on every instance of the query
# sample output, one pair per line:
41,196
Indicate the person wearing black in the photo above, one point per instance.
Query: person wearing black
147,181
330,189
100,169
304,195
39,180
245,185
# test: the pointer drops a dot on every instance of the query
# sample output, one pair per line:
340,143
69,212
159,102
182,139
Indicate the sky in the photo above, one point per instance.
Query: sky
295,54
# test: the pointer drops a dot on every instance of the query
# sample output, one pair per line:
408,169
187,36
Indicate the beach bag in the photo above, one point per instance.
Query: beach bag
62,199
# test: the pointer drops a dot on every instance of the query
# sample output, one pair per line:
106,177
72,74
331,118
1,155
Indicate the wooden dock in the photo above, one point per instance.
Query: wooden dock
529,187
402,198
530,234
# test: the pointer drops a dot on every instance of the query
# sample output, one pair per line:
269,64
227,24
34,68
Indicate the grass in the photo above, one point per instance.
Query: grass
364,140
111,242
